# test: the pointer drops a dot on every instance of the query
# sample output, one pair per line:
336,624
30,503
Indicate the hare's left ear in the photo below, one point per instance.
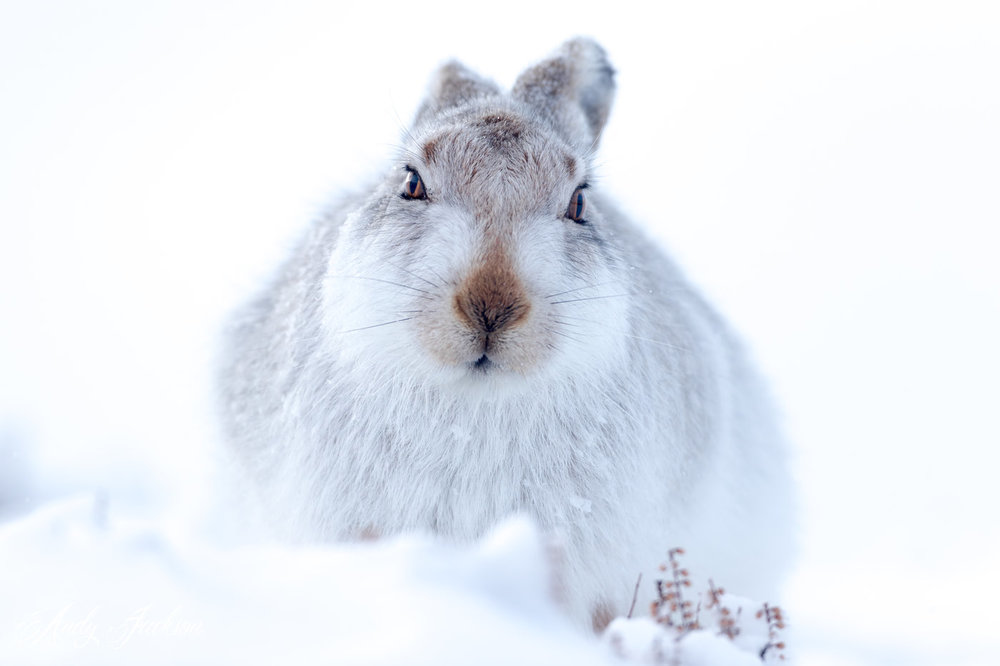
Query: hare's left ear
572,90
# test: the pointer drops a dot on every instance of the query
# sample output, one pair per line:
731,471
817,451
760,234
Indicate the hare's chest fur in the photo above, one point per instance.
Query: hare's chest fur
456,465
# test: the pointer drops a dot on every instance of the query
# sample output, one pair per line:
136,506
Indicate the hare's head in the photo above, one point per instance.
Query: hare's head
484,256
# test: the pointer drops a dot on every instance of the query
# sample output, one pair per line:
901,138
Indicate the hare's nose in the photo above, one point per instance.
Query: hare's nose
491,299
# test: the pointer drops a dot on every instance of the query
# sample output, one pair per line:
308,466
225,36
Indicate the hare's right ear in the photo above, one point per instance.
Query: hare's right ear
453,85
572,90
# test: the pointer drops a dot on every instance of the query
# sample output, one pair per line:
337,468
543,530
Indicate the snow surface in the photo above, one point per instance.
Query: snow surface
827,171
94,589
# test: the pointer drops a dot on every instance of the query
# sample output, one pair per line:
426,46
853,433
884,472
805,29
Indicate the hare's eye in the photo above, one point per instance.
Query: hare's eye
413,186
577,206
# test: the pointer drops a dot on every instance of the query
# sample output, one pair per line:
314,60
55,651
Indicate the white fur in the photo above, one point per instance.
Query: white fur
619,413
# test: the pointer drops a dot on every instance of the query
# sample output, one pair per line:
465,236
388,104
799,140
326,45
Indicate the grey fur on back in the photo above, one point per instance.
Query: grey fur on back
438,364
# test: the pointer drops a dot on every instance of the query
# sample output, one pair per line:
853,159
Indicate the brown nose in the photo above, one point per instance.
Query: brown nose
491,299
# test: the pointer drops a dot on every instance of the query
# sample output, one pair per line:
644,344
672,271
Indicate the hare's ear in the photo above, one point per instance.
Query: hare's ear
453,85
573,89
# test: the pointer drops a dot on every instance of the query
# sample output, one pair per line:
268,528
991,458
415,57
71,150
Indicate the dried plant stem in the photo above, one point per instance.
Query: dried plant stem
775,621
635,596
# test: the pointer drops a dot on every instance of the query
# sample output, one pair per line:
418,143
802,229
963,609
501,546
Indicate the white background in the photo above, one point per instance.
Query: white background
827,172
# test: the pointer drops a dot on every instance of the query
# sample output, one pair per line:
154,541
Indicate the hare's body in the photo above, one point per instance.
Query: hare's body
440,359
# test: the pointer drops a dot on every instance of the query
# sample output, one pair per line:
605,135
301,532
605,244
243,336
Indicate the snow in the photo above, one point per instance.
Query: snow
95,589
826,171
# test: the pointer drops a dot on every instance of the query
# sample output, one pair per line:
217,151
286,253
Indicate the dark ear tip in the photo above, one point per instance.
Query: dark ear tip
595,87
582,43
587,51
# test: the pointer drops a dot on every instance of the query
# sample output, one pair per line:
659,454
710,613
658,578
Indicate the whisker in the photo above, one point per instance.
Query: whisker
395,150
404,127
657,342
627,335
622,407
583,319
567,325
365,328
397,284
588,286
435,274
568,336
592,150
419,277
563,322
591,298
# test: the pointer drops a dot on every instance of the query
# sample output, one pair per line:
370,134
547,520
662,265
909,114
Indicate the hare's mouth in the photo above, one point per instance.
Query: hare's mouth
483,364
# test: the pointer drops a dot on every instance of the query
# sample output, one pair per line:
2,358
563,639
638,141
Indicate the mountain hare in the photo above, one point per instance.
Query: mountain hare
482,334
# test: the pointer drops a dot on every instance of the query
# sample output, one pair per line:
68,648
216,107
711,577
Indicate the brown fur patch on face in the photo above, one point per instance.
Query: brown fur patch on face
501,129
430,149
570,166
492,298
500,118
